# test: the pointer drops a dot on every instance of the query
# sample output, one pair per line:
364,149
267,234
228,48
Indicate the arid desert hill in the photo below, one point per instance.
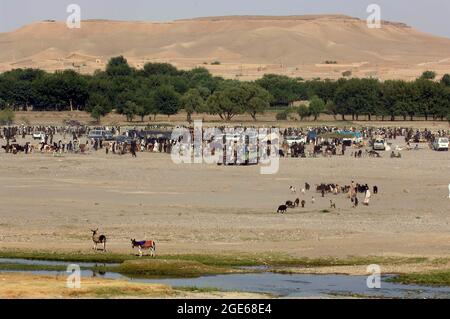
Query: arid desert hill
245,46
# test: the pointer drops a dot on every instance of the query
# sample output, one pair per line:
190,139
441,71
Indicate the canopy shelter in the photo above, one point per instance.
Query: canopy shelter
312,135
337,135
157,134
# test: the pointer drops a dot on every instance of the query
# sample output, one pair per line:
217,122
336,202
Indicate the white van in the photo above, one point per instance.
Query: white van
290,140
379,144
440,144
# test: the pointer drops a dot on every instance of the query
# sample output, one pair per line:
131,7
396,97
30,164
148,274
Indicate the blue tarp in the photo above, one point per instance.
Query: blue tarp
355,134
312,135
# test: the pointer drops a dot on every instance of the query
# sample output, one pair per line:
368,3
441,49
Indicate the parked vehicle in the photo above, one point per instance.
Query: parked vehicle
440,144
379,144
290,140
38,135
123,139
101,135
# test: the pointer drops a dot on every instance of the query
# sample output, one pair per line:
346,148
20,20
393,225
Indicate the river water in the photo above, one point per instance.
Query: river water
279,285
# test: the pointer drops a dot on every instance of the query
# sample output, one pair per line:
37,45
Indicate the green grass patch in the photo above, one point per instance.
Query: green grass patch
191,265
117,292
60,268
22,267
157,268
430,278
98,257
197,289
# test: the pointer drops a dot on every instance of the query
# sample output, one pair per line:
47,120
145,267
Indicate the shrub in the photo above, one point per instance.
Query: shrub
347,74
6,117
282,116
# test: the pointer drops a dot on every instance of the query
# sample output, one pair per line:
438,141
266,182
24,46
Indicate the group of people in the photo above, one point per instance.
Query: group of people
355,189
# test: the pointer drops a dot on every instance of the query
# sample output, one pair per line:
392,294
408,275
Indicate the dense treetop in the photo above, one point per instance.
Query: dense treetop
160,88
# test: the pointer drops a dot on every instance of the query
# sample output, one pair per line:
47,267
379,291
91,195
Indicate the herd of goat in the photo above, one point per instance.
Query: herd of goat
322,189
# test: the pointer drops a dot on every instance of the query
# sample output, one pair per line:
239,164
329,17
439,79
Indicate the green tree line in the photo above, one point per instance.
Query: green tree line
162,89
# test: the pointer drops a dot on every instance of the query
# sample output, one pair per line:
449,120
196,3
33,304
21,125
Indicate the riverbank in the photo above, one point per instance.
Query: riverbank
219,276
196,265
15,285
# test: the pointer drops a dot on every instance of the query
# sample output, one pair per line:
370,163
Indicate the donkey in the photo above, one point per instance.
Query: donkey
144,245
98,239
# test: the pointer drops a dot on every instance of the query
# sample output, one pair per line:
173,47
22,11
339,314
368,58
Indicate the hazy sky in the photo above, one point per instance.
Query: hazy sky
431,16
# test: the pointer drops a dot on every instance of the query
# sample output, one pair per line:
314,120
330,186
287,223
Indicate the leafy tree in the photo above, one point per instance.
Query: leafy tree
166,100
316,107
397,99
98,106
428,75
192,101
283,89
257,99
118,66
130,110
446,80
257,105
303,111
331,109
430,98
220,103
159,69
358,97
323,89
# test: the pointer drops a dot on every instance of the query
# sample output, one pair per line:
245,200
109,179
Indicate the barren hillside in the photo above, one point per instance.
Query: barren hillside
246,46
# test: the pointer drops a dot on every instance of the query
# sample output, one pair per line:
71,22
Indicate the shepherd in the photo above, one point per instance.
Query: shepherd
144,245
367,198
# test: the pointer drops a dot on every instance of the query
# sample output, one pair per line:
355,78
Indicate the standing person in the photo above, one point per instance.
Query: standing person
367,198
133,148
355,202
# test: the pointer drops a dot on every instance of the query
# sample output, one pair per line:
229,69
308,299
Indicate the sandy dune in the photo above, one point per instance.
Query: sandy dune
247,46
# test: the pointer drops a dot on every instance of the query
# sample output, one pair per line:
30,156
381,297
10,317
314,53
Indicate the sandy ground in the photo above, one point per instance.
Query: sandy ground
268,119
15,286
52,203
